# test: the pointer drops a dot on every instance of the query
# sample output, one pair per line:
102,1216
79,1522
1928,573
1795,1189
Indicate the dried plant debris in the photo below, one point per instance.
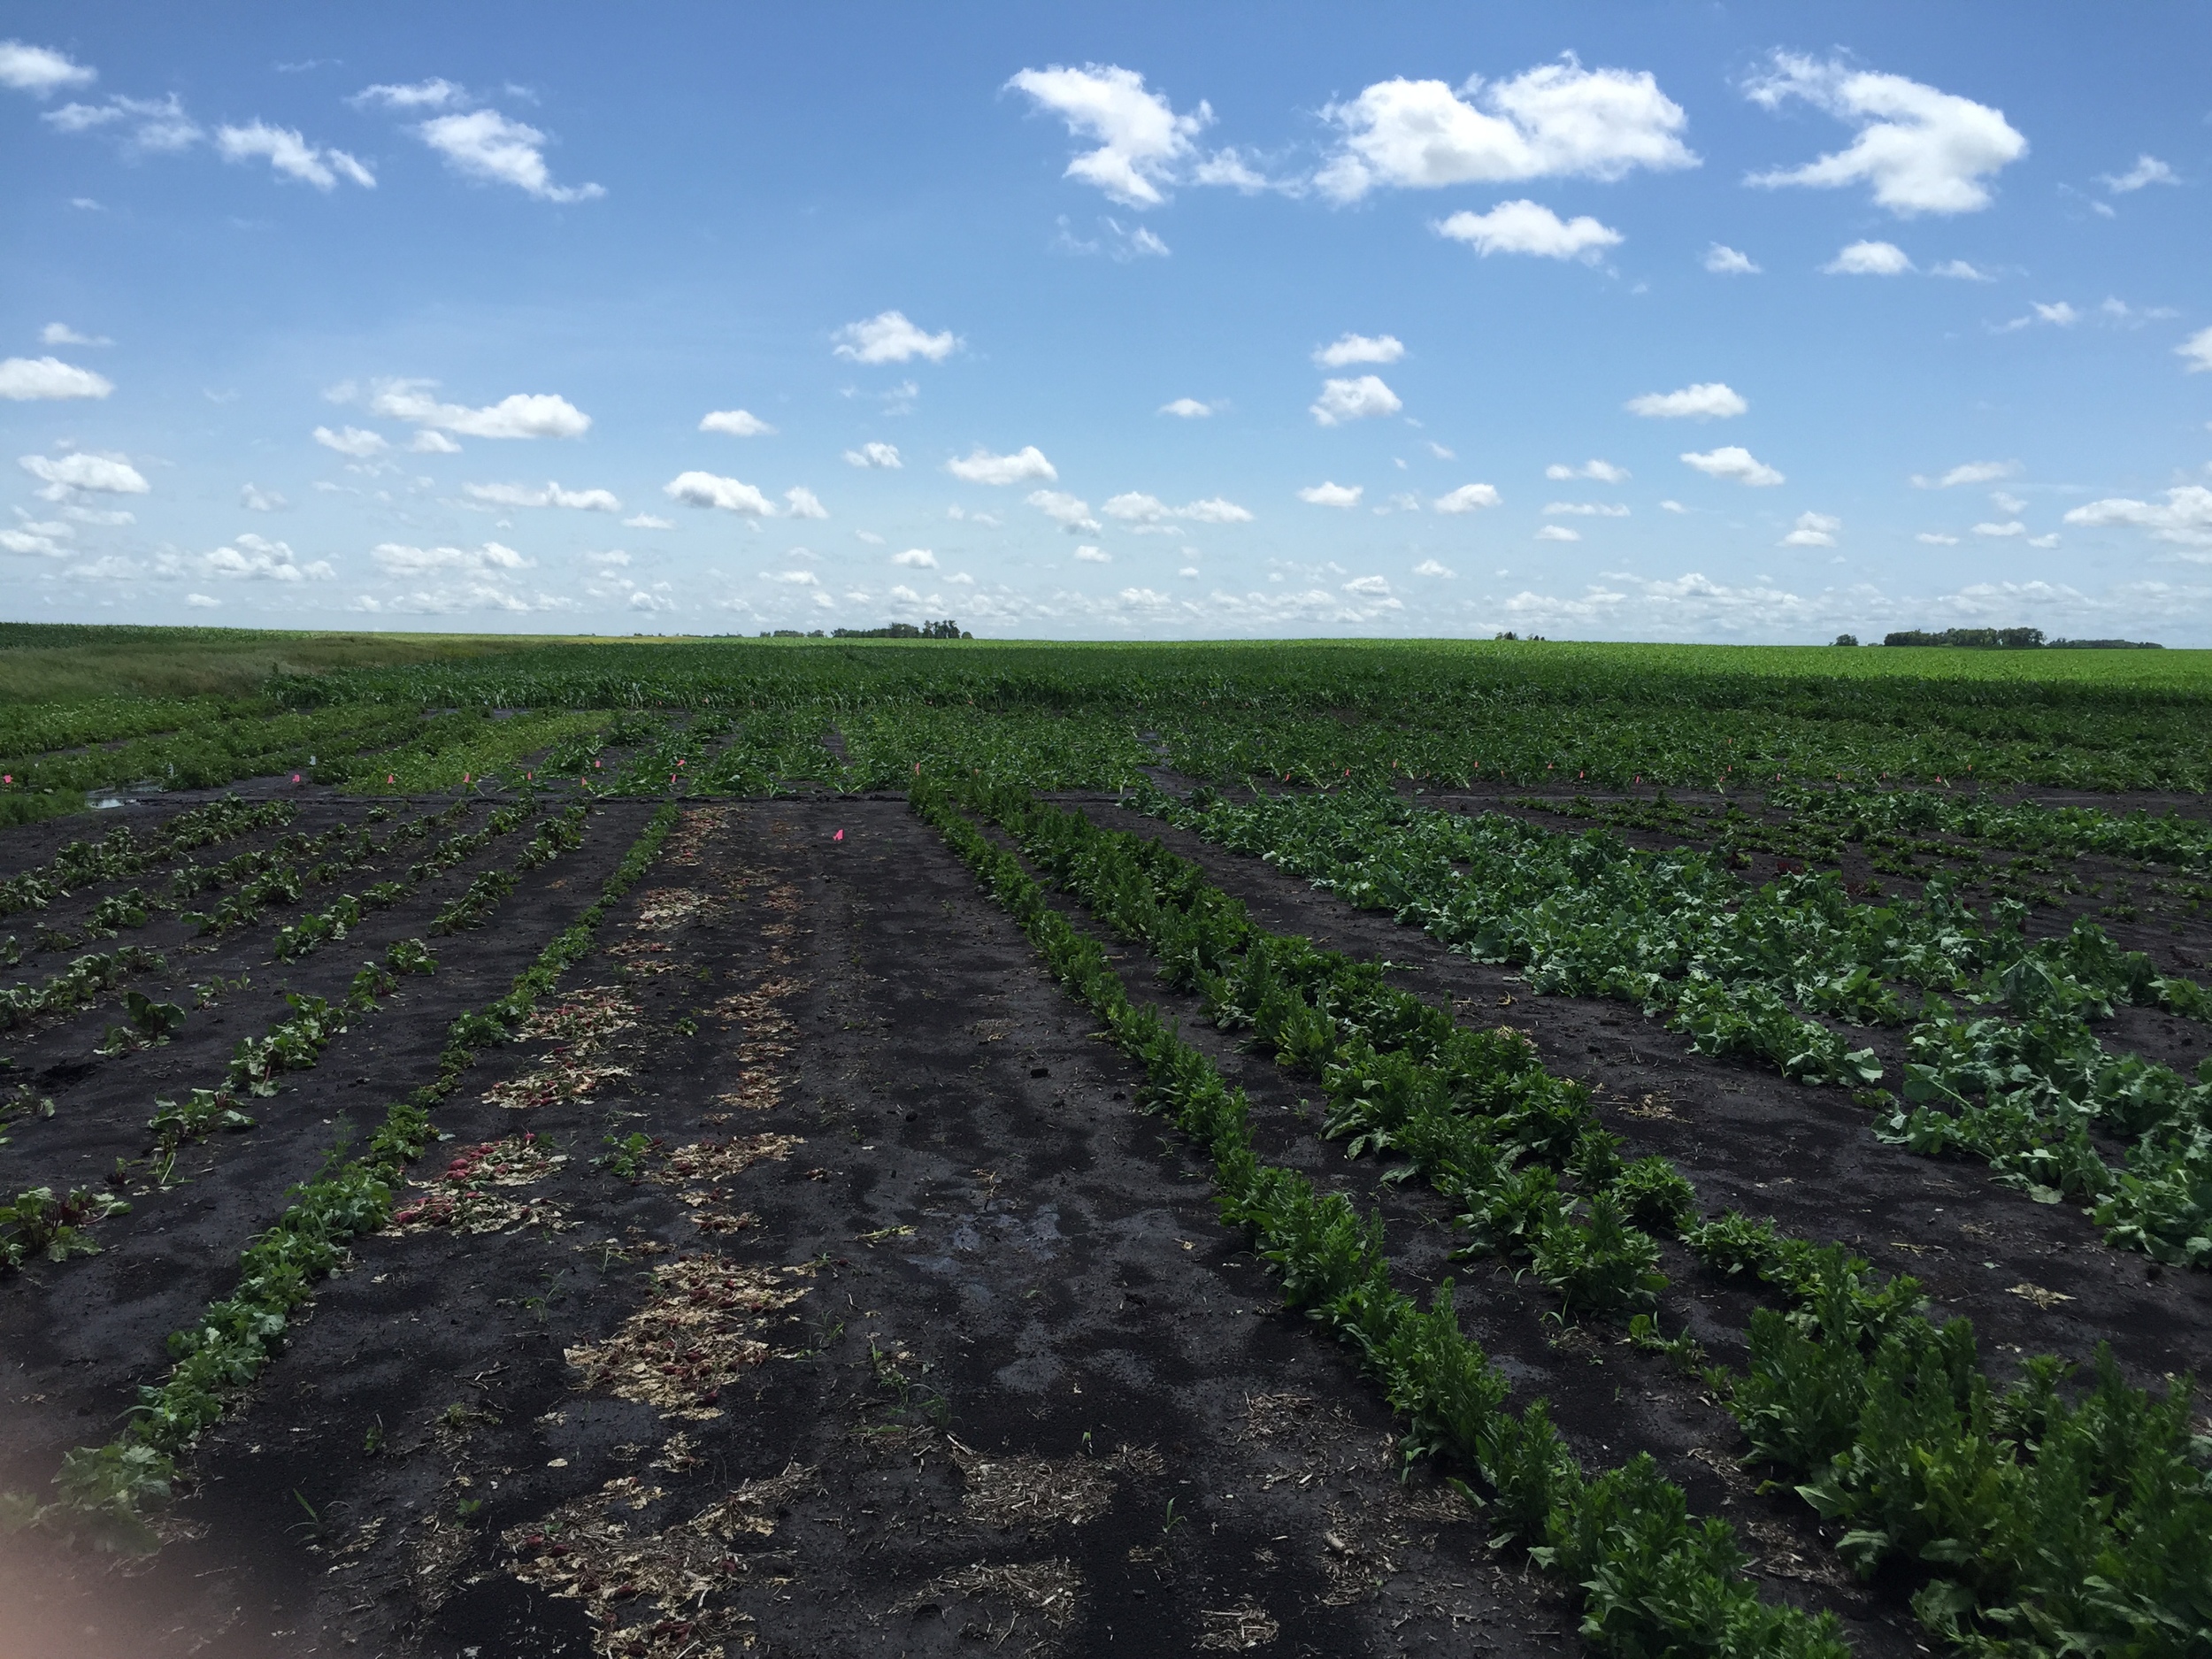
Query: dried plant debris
1354,1560
567,1079
1010,1491
2037,1295
1235,1629
648,1594
643,956
719,1160
1268,1415
686,843
1047,1590
661,910
697,1331
470,1195
585,1019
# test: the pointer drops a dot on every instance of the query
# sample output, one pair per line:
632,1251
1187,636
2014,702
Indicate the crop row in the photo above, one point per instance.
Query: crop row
2042,1523
217,749
122,854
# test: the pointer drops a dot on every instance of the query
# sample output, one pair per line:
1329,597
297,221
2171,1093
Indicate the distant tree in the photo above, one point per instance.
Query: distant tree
1847,638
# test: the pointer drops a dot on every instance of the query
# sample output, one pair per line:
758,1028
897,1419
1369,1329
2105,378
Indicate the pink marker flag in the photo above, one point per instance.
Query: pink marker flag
838,836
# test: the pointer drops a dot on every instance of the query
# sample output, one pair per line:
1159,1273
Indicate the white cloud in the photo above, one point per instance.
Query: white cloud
1557,120
2060,316
1813,529
1868,259
1586,509
1069,512
705,489
1439,450
83,471
797,579
256,558
83,514
613,558
255,500
1960,271
888,337
40,70
403,560
2050,540
738,423
1372,587
1093,556
1530,227
801,503
1348,348
648,521
485,145
2007,502
37,538
63,335
1922,150
1143,512
482,594
961,579
1604,472
437,94
291,156
2012,527
1140,137
870,537
988,520
549,495
1937,538
1733,461
202,601
905,596
354,441
886,455
430,441
1672,506
1558,533
919,558
1722,260
1968,473
2197,350
1135,507
23,380
2146,170
1190,572
983,467
1186,409
158,126
1332,494
1468,498
1708,400
641,600
1214,509
522,415
1355,400
1432,567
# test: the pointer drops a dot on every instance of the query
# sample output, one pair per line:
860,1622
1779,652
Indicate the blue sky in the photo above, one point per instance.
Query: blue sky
1656,321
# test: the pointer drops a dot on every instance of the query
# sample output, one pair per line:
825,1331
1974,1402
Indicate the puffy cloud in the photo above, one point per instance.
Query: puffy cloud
1556,120
988,520
1813,529
801,503
1432,567
918,558
738,423
40,70
33,538
291,156
255,500
1708,400
1349,349
1093,556
1186,409
481,594
1214,509
797,579
2058,314
1372,587
1960,271
550,496
2198,350
874,455
63,335
255,558
1069,512
2010,527
1604,472
356,442
1968,473
705,489
905,596
1135,507
1922,150
158,126
430,441
435,94
1937,538
1733,461
1145,511
1439,450
2146,170
2007,502
1672,506
1326,495
1558,533
1468,498
23,380
888,337
1868,259
2184,517
983,467
1354,399
1585,509
522,415
202,601
613,558
1723,260
641,600
63,474
403,560
1140,138
1525,226
485,145
648,521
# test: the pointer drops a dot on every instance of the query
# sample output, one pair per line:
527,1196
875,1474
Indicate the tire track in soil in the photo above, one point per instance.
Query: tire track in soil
1803,1157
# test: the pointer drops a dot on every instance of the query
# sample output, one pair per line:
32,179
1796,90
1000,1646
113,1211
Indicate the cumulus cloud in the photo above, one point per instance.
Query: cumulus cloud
1354,399
648,521
1530,227
1349,349
40,70
2184,517
1558,533
1920,149
522,415
886,455
1722,260
1093,556
1585,509
202,601
1868,259
25,380
255,558
1557,120
2146,170
1370,587
62,474
255,500
918,558
548,496
1733,461
888,337
1069,512
1968,473
430,441
485,145
1960,271
157,126
1142,511
1432,567
405,560
1186,409
801,503
63,335
983,467
2197,350
1708,400
1140,138
797,579
291,156
1813,529
705,489
1604,472
1937,538
1327,494
435,94
1468,498
738,423
1214,509
2057,314
356,442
